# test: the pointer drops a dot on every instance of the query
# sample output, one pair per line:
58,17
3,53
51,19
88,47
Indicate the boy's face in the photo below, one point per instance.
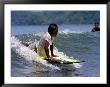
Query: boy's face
96,25
55,32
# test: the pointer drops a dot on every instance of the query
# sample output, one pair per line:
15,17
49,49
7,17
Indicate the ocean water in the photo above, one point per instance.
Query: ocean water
74,41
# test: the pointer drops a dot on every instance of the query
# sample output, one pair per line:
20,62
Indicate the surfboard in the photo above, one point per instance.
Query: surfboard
61,60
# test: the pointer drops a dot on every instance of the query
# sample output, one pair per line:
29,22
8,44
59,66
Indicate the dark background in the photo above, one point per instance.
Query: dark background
2,2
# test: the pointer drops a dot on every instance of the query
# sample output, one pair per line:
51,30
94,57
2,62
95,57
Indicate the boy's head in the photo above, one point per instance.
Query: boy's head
53,30
96,24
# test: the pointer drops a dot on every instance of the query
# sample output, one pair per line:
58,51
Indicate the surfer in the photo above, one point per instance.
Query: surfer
96,28
46,43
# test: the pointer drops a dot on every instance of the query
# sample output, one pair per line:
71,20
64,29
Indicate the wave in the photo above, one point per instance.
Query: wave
64,31
31,55
68,31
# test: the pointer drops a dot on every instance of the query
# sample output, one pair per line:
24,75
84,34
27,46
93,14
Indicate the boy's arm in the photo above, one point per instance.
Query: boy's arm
51,49
46,48
93,30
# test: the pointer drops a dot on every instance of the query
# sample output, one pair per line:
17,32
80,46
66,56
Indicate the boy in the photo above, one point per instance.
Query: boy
46,42
96,28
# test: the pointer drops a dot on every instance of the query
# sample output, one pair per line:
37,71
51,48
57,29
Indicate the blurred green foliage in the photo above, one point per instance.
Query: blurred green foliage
59,17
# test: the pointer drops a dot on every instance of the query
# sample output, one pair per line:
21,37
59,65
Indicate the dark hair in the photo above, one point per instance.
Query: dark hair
97,23
53,29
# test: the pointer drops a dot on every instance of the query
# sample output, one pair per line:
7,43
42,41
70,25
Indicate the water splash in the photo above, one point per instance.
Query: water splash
29,54
68,31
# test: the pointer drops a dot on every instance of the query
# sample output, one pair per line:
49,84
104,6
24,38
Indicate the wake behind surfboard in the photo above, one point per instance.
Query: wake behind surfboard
61,60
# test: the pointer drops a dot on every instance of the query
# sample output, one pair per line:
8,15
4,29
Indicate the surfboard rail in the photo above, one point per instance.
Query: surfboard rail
61,60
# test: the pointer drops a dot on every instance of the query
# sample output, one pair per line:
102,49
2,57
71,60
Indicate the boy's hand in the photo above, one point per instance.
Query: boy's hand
54,55
50,57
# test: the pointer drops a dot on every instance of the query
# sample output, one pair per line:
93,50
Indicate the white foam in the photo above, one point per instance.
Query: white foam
39,34
68,31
